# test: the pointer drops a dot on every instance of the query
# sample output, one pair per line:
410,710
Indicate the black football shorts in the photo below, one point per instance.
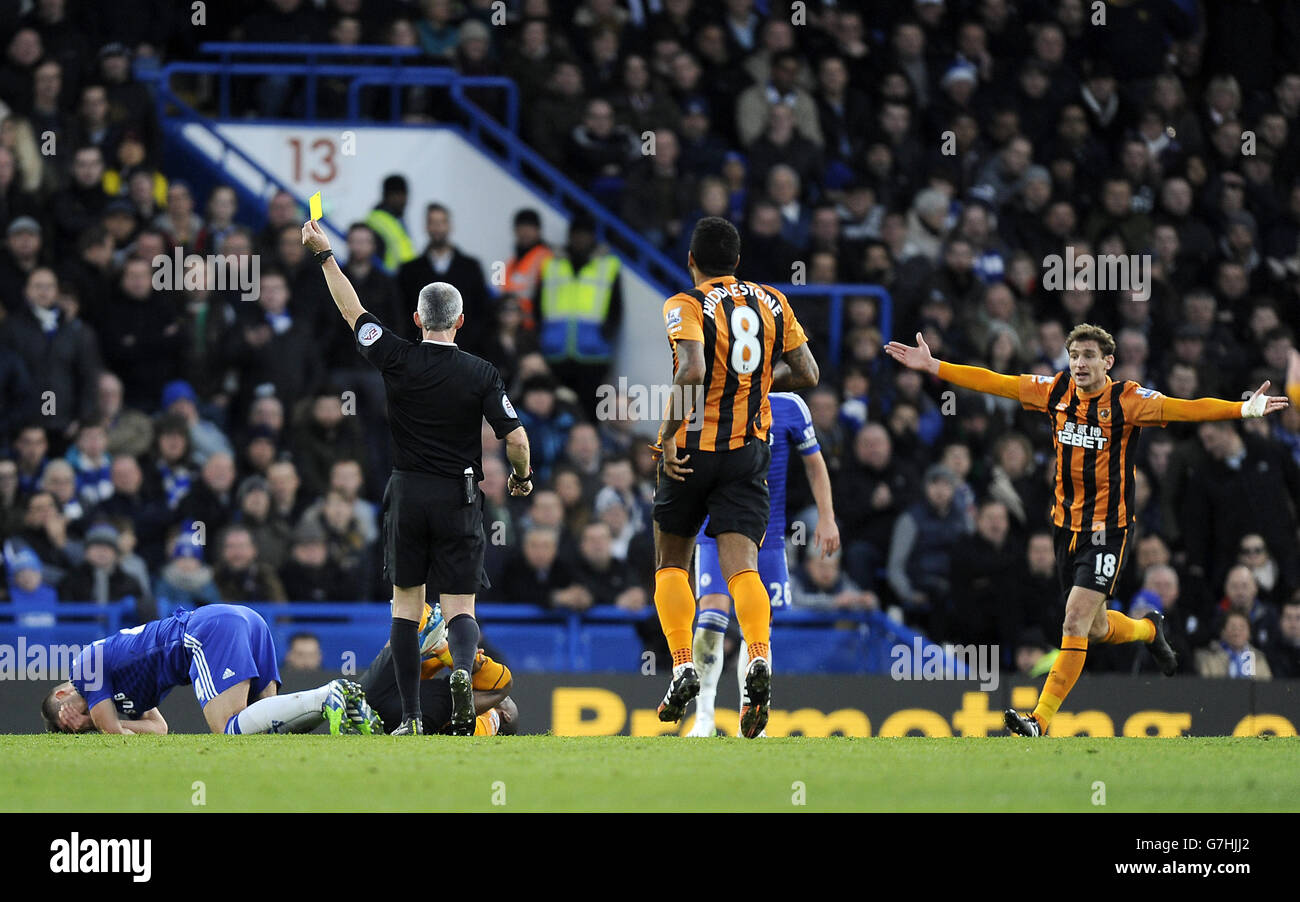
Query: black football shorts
431,535
1093,560
727,487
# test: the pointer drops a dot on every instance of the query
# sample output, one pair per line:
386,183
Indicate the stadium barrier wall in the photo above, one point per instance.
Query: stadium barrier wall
574,704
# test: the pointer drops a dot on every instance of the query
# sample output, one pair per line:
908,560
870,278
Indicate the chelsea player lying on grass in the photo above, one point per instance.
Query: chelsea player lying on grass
495,710
226,651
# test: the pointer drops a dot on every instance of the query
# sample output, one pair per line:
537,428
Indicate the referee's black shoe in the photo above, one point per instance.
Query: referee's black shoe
462,703
410,726
1160,649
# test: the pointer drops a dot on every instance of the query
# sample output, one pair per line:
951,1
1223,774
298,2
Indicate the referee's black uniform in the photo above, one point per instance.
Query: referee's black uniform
432,512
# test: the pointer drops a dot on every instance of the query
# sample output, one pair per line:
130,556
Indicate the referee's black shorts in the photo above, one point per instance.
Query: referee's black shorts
431,535
728,487
1092,560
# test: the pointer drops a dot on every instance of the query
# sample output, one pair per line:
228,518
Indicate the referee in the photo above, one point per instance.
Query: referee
438,396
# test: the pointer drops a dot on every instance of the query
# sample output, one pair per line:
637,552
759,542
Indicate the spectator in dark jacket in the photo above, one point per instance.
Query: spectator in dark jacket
325,436
604,577
77,207
1284,651
310,574
240,576
271,347
984,566
98,578
147,510
61,355
442,261
212,499
920,551
536,575
871,490
1242,485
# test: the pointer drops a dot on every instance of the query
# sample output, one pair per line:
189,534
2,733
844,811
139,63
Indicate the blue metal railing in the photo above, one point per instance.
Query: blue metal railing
362,627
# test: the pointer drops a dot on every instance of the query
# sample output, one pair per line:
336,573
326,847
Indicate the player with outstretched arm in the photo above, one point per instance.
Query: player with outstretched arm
1095,425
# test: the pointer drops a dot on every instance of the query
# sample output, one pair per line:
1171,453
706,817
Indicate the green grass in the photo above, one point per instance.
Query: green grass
549,773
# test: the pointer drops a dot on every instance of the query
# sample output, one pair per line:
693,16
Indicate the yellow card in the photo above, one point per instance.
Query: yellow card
315,206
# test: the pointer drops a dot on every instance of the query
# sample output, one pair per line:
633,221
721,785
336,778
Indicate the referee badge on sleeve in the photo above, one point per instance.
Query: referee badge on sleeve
369,334
508,408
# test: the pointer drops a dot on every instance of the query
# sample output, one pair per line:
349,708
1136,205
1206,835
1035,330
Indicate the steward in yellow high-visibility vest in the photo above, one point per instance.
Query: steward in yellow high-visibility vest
386,222
580,305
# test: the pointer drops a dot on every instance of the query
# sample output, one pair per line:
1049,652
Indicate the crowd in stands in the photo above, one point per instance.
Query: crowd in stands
184,446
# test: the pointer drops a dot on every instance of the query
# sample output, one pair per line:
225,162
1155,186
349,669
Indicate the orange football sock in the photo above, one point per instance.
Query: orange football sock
1125,629
1061,678
675,603
753,611
487,723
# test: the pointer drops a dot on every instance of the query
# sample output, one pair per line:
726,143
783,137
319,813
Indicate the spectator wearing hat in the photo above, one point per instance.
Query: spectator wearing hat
240,575
180,399
26,579
185,581
920,550
702,151
99,578
311,574
22,251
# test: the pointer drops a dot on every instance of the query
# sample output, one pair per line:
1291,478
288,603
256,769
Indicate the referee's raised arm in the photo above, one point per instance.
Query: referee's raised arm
345,296
438,397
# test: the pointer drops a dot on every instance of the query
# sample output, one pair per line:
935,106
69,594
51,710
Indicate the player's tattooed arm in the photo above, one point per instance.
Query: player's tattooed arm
795,370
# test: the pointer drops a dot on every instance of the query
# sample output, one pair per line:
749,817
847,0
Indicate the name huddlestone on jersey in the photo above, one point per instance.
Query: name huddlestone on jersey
1081,435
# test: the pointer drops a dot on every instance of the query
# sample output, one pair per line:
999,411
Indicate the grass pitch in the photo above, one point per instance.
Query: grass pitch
549,773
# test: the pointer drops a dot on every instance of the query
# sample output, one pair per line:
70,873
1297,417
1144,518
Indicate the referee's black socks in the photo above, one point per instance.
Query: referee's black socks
462,641
404,641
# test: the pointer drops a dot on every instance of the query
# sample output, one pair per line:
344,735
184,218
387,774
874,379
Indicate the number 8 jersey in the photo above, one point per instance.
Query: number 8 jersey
745,328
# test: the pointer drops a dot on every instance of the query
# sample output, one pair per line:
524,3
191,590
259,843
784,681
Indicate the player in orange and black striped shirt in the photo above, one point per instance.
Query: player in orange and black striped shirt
732,342
1095,424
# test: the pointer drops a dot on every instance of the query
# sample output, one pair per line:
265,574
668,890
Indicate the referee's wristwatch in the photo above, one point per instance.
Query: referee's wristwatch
321,256
521,480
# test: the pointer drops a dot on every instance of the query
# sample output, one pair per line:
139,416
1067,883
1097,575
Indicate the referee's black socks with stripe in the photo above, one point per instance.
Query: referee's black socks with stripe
462,641
404,641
